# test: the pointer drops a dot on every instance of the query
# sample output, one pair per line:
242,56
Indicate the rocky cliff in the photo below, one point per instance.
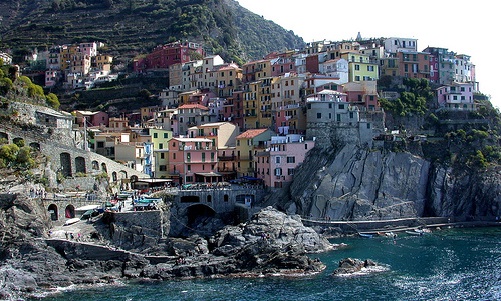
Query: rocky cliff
362,183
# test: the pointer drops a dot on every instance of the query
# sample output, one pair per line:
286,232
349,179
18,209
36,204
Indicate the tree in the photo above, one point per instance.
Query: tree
8,153
52,101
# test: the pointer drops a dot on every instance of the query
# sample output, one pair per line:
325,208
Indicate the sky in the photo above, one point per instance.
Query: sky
464,27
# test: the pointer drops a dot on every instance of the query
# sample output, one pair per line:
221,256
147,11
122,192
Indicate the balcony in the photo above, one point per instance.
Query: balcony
226,158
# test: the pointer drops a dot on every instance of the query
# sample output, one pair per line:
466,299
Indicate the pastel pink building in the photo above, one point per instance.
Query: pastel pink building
96,118
458,96
52,77
276,165
193,160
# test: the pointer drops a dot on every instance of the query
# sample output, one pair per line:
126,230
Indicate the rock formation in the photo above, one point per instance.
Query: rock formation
362,183
349,266
33,259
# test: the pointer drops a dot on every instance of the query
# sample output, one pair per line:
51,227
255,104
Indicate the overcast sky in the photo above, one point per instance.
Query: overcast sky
464,27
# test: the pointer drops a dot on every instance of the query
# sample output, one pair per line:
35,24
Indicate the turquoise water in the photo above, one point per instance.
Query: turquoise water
455,264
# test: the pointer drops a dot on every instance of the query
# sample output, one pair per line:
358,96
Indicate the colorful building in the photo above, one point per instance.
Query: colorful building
193,160
160,142
458,96
276,164
248,144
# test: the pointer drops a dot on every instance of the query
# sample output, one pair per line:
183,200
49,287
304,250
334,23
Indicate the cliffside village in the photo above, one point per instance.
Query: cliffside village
222,122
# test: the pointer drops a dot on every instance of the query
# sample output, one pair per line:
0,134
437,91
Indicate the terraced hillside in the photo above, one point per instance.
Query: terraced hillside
130,27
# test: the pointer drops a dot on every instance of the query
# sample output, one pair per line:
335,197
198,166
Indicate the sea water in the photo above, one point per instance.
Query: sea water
452,264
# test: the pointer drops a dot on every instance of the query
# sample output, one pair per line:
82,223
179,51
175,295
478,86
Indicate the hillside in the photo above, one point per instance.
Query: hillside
131,27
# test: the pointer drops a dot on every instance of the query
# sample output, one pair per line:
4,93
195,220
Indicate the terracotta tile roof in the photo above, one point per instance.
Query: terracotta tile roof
194,106
251,133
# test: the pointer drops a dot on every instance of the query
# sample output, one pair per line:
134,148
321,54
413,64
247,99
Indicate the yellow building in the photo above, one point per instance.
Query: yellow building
250,105
264,103
99,61
256,70
228,78
248,144
66,56
160,139
361,67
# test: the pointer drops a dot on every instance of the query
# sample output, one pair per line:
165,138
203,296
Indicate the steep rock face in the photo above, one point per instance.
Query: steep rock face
359,183
464,193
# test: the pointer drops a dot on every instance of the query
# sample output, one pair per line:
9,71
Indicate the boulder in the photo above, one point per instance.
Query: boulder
350,266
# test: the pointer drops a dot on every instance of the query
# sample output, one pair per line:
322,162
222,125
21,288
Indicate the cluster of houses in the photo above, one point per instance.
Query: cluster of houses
219,121
74,66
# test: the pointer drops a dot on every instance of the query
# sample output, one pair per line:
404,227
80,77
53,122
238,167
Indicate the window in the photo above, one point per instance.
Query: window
161,146
188,157
357,67
291,159
278,171
174,156
166,135
162,155
290,171
203,157
188,167
341,106
277,160
319,115
155,135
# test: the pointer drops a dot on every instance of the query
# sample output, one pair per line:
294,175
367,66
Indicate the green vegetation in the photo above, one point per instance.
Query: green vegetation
52,101
23,89
13,156
416,96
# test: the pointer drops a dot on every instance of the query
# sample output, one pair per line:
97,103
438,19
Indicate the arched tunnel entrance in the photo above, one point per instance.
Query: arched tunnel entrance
198,214
201,220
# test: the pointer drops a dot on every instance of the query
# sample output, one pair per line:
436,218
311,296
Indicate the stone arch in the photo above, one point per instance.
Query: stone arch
53,212
80,165
114,176
35,146
199,211
69,211
65,159
122,174
104,168
95,165
18,141
4,135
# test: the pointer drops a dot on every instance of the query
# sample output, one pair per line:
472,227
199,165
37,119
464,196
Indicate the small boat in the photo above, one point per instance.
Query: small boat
71,221
366,235
415,232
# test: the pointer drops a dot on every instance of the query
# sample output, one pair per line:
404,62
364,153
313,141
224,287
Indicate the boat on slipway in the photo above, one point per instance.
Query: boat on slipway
418,232
366,235
71,221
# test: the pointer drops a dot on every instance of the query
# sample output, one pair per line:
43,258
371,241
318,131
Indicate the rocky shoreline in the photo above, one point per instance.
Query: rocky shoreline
38,258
